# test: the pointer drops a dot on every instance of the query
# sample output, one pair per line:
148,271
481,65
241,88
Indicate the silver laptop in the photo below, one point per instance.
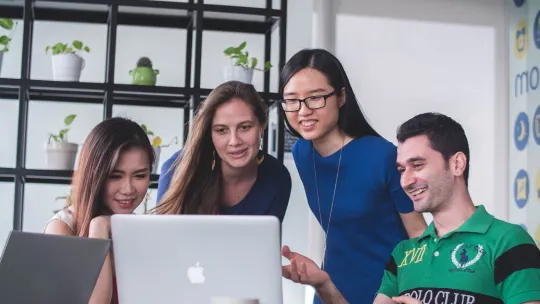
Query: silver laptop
195,258
44,268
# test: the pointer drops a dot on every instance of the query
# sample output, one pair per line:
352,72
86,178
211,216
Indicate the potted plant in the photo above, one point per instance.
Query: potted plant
157,145
144,74
67,62
61,154
242,66
8,25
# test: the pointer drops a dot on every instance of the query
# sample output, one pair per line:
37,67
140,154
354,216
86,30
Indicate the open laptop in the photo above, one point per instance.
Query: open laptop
44,268
193,258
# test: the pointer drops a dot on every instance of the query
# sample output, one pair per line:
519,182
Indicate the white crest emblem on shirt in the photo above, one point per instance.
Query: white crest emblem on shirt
465,261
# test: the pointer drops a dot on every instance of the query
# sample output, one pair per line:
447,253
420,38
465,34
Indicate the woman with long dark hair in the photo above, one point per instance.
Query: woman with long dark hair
221,169
349,174
112,177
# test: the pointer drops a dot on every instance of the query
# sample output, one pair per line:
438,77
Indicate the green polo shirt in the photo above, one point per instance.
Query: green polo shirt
486,260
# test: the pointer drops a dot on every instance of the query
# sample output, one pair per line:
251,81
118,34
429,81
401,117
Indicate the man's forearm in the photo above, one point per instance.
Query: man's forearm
329,294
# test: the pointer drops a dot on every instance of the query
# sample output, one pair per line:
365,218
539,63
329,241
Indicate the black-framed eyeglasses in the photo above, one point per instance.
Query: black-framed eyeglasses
312,102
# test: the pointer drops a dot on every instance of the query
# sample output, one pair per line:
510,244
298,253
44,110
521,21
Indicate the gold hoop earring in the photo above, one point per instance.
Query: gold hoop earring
260,157
213,160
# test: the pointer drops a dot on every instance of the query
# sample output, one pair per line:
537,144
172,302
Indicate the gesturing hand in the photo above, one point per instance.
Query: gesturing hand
302,269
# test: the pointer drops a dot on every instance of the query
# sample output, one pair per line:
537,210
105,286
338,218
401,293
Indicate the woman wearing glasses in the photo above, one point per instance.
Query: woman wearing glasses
349,174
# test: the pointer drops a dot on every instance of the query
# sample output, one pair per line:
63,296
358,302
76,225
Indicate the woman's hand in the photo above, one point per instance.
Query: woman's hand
100,227
302,269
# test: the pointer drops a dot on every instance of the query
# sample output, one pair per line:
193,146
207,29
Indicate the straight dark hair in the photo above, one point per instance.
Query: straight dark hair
98,157
351,119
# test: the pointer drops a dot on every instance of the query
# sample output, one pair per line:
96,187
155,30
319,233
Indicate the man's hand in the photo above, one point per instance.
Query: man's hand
302,269
406,300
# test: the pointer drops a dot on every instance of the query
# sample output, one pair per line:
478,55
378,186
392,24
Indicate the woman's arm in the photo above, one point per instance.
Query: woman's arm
102,293
414,223
103,290
166,174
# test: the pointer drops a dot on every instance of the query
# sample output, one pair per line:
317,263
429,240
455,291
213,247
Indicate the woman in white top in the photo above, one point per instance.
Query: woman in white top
112,177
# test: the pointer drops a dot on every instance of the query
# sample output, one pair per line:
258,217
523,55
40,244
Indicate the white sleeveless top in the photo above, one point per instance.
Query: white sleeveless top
65,215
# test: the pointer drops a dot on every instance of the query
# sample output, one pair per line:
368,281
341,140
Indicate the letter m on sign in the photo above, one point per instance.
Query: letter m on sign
414,255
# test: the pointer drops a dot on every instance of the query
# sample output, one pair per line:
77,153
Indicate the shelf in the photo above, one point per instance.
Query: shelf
9,88
78,92
154,96
7,175
270,98
12,9
42,176
238,19
151,14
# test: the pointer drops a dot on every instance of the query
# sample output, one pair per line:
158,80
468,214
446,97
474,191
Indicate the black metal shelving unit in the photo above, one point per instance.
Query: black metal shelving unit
194,16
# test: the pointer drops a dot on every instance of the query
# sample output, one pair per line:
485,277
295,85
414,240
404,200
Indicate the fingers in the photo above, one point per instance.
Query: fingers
405,300
286,252
295,276
292,272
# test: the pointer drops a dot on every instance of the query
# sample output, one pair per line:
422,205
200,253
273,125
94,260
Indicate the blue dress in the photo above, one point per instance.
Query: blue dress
269,195
365,224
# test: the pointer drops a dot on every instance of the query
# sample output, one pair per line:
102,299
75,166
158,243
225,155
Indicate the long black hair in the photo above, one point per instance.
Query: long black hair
351,119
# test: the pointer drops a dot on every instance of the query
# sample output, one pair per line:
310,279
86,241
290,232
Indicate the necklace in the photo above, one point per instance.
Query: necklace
333,197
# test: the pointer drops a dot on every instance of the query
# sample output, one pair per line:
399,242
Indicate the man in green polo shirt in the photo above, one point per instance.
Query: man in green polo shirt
465,256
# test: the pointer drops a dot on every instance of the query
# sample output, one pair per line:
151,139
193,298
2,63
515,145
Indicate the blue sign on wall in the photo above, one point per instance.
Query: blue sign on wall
521,131
521,188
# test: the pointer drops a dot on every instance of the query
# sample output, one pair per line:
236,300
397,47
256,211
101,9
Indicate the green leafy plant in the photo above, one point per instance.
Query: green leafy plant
240,56
62,135
5,40
76,47
156,140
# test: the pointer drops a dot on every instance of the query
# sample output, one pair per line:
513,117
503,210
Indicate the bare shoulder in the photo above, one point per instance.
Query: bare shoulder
58,226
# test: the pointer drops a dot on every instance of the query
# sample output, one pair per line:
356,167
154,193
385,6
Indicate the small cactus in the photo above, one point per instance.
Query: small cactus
144,62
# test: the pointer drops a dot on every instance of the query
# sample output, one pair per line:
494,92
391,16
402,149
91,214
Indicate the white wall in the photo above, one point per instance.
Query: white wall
166,48
408,57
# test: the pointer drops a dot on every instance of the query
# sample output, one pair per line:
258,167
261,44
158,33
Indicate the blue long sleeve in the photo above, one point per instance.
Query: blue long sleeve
165,176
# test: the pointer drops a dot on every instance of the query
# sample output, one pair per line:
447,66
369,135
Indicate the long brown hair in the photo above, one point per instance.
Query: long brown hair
195,188
97,159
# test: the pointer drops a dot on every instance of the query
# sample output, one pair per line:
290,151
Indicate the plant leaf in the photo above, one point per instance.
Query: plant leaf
6,23
230,50
253,62
4,40
63,131
143,126
77,44
241,46
87,49
69,119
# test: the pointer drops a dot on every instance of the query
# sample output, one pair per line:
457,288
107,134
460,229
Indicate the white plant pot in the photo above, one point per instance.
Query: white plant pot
1,59
157,153
67,67
238,73
61,156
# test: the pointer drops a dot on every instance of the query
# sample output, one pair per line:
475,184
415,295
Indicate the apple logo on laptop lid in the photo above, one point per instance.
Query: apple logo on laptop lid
195,274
